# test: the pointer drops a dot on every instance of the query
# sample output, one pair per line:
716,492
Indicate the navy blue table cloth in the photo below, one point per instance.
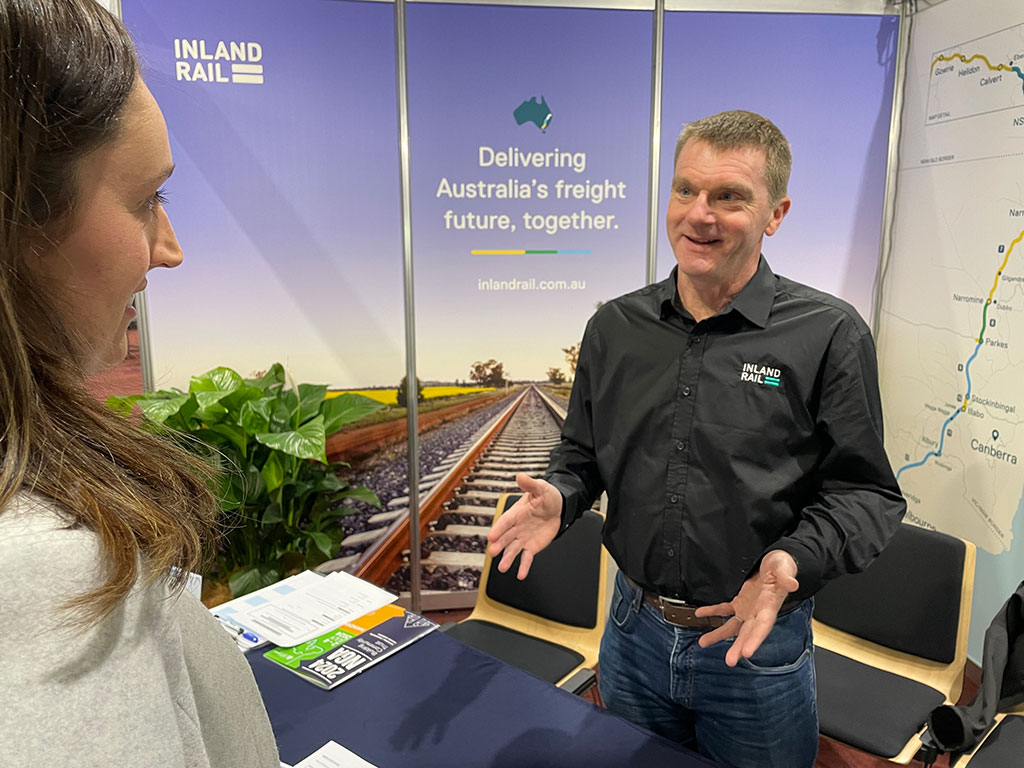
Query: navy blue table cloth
441,703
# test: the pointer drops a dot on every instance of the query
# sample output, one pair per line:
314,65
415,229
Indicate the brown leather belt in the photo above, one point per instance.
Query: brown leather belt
677,612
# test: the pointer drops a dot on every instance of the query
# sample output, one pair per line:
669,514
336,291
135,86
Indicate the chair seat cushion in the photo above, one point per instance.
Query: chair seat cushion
1004,747
546,660
868,708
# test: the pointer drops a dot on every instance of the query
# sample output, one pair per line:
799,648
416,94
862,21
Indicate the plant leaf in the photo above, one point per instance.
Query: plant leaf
253,577
218,441
237,399
232,433
216,380
329,483
159,410
273,473
123,405
310,397
254,415
229,492
253,486
345,409
322,541
287,407
185,414
360,493
210,409
306,442
272,514
272,382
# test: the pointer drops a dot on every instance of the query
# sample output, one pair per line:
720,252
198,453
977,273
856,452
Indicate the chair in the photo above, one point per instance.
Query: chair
1002,746
549,624
891,642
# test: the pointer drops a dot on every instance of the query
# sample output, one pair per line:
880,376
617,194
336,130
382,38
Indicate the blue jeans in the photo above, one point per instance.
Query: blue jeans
759,714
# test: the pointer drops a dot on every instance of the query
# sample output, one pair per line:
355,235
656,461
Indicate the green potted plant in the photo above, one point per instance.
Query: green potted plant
280,495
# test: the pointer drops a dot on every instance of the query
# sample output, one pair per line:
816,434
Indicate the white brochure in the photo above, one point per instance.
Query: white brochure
333,755
316,608
233,615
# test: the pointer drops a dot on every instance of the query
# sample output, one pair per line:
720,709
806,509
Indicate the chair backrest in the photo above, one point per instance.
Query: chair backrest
908,599
564,580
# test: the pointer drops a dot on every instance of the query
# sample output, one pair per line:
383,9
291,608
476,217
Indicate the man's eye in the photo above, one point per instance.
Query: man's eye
682,191
729,196
159,198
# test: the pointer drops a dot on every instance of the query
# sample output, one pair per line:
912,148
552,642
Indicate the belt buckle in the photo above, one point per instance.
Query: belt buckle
676,611
681,614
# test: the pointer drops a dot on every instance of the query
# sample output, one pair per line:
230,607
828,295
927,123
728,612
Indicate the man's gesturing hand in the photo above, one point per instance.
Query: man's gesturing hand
755,608
528,526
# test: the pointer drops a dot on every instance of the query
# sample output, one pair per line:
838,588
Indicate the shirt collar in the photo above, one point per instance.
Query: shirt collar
754,301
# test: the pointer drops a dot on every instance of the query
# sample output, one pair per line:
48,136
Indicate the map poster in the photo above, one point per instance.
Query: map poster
529,131
951,340
284,127
826,81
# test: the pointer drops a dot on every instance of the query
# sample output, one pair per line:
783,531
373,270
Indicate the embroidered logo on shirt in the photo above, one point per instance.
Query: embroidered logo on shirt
761,374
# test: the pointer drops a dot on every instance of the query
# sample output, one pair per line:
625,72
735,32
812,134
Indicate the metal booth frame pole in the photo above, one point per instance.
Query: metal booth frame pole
412,402
654,162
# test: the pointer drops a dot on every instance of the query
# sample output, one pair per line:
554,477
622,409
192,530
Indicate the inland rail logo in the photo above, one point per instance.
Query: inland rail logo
761,374
220,61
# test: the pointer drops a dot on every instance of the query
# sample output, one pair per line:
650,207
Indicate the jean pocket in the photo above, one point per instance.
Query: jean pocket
782,669
623,607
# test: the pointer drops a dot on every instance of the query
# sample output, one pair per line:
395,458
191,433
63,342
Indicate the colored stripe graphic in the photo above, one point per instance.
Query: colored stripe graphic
561,252
989,64
771,381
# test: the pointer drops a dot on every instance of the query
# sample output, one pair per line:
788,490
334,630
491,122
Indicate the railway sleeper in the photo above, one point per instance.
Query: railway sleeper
507,486
434,577
462,530
484,517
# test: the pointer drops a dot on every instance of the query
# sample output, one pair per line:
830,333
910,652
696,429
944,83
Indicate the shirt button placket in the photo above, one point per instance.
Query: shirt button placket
689,371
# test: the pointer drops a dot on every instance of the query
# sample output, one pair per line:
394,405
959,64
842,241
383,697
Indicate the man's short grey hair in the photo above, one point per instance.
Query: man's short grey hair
738,128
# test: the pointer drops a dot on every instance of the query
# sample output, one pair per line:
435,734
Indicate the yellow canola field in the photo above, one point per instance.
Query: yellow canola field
390,396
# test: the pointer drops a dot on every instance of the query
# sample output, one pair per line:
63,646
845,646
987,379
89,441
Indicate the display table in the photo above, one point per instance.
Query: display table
441,703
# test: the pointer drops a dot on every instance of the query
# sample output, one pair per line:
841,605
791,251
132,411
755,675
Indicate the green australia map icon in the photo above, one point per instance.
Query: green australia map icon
532,112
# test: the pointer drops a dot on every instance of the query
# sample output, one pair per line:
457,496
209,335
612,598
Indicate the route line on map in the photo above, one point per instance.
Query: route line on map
967,366
983,57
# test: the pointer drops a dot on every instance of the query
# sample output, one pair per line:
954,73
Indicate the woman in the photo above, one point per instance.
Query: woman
103,659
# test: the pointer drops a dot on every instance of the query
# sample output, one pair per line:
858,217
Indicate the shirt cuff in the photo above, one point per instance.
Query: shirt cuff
569,514
809,569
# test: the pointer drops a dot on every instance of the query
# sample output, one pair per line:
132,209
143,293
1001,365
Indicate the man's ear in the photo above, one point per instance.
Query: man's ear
778,214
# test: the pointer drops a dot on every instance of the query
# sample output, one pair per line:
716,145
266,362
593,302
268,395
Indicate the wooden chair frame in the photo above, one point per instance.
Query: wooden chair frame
585,641
947,679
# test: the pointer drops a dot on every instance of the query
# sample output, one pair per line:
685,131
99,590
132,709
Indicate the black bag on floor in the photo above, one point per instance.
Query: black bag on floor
959,729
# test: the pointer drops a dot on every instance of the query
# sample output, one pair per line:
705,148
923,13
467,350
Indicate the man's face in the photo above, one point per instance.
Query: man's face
719,211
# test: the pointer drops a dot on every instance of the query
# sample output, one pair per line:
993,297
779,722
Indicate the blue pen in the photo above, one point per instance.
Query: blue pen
238,631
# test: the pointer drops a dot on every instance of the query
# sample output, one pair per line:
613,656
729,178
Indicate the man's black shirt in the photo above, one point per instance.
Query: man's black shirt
757,429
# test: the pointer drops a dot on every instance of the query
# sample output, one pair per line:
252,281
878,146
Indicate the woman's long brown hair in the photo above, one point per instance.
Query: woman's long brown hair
66,70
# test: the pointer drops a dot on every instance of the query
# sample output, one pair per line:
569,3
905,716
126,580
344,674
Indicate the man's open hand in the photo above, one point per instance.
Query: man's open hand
753,611
528,526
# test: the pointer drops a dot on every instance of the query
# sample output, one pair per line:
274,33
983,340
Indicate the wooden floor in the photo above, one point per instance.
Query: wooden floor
126,379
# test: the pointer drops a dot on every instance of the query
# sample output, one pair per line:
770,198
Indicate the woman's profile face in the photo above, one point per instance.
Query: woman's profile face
118,232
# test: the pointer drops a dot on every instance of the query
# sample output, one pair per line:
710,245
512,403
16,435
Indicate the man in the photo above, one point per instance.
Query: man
733,418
